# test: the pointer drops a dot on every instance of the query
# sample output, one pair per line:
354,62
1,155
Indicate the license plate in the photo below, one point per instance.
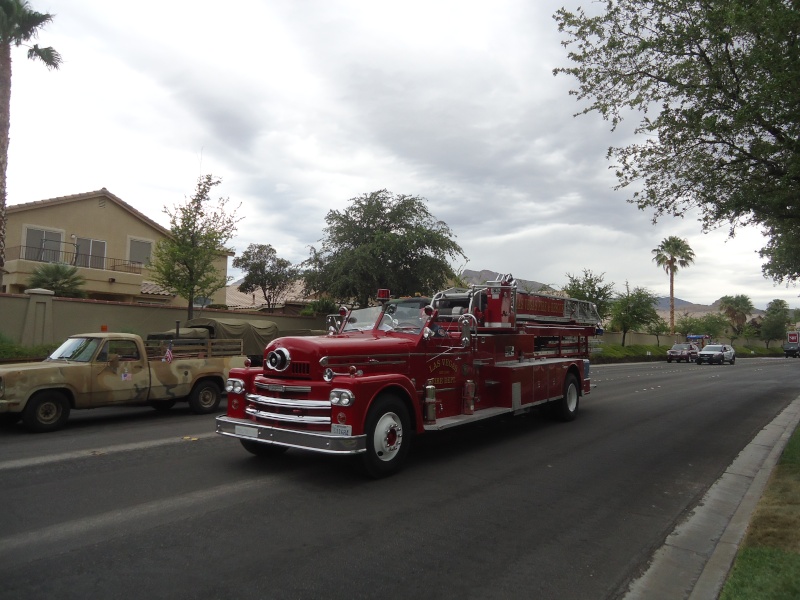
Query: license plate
246,431
342,429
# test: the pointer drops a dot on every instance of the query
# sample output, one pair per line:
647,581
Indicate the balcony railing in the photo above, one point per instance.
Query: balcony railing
76,259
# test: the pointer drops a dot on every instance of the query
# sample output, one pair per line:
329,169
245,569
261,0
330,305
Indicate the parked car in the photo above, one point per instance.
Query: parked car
791,349
716,353
680,352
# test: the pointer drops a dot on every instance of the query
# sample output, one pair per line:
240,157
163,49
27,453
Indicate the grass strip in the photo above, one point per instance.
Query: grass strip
767,566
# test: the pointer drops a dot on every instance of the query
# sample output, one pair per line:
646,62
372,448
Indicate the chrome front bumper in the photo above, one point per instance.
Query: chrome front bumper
316,441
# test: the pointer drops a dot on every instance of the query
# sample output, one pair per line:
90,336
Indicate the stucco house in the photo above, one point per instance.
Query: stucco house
107,239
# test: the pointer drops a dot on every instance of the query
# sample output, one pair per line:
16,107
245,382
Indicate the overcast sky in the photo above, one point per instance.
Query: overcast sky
301,105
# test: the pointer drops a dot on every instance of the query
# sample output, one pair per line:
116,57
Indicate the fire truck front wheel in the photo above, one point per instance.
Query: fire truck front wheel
566,409
388,433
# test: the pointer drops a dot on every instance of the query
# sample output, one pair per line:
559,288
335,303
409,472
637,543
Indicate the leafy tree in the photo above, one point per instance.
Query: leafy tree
714,324
715,85
63,280
323,306
776,321
381,241
591,287
19,24
673,253
265,271
736,309
186,261
688,325
633,309
658,328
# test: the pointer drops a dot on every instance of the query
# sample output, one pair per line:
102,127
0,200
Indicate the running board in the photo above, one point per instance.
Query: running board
480,415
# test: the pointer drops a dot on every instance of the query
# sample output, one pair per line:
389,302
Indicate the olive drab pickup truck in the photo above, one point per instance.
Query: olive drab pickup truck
94,370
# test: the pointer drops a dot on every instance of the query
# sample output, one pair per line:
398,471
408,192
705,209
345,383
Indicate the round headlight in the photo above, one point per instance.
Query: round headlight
234,385
341,397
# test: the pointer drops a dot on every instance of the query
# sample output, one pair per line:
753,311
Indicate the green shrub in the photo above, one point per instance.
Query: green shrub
9,349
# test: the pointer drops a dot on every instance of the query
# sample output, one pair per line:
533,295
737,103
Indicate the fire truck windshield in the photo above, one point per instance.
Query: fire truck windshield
362,319
402,317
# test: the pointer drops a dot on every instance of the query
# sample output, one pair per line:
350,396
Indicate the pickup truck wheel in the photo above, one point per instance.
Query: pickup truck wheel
261,449
46,411
205,397
388,431
566,409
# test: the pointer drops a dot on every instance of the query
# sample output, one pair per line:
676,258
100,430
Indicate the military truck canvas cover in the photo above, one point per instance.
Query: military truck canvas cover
255,335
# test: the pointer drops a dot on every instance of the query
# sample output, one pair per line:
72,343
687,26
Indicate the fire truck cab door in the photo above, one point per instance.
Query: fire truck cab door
446,367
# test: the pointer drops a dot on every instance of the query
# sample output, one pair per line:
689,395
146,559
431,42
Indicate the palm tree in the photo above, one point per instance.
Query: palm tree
673,253
19,24
736,309
62,280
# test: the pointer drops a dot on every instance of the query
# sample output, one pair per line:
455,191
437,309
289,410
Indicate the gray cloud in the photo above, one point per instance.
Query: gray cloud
300,107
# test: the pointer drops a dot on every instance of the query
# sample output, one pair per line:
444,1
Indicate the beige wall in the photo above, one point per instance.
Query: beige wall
644,339
36,318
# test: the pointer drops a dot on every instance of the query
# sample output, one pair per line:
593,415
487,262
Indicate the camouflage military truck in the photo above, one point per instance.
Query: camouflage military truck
91,370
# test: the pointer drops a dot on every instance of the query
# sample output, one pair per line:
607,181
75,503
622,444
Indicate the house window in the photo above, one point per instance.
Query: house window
42,245
140,252
90,253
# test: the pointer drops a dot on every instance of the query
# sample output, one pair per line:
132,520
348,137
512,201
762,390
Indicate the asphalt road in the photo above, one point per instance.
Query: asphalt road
132,503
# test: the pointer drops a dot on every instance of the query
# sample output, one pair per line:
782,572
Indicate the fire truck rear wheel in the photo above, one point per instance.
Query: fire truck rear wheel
205,397
261,449
46,411
388,431
566,409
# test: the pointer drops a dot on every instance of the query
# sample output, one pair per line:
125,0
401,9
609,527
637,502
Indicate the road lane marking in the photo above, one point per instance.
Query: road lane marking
34,461
33,545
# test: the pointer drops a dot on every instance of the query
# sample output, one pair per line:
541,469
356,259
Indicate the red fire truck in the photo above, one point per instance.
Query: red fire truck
410,366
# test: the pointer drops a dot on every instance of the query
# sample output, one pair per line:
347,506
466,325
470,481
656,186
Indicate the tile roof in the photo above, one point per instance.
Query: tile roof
12,208
239,300
153,289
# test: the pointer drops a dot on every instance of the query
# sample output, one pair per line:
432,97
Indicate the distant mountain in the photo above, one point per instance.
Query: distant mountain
479,277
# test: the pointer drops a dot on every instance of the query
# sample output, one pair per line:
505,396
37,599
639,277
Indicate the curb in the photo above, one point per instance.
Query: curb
696,557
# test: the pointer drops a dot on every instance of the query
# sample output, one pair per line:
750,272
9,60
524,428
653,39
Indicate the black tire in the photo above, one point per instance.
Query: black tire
669,360
699,362
162,405
566,409
46,411
205,397
262,449
733,359
388,436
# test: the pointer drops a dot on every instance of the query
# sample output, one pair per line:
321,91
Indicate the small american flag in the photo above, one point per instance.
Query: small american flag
168,354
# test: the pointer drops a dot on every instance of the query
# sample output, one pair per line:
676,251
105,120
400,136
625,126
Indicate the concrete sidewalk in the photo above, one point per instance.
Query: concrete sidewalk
695,559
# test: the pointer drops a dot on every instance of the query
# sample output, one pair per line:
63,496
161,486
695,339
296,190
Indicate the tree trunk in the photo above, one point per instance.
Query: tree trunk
5,123
671,302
